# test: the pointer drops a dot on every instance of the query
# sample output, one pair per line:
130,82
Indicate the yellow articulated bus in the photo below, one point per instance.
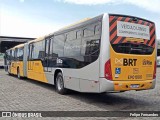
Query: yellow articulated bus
107,53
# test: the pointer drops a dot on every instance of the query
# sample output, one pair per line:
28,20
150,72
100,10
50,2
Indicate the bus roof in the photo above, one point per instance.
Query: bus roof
18,46
78,22
37,39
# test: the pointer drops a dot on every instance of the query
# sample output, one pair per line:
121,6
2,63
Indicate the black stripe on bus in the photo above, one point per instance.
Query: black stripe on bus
114,19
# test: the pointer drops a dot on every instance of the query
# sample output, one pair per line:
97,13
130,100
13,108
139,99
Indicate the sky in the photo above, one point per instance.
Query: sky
35,18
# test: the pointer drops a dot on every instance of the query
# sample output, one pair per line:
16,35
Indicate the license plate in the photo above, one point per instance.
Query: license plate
134,86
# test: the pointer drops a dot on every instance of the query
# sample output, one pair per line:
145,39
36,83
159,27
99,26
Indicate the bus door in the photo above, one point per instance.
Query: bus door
30,61
47,59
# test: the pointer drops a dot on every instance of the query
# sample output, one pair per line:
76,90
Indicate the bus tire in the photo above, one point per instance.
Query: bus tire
60,84
18,74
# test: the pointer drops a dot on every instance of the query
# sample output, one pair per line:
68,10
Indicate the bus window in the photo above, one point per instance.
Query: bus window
92,47
72,45
40,50
71,35
91,43
58,45
97,29
78,34
136,48
88,32
20,53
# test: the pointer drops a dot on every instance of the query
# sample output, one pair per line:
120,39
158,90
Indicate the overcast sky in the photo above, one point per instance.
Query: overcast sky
35,18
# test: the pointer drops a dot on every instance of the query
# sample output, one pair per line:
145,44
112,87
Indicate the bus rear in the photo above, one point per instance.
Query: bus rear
132,61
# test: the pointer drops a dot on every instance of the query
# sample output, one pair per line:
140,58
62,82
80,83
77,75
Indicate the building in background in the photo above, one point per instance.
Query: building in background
7,42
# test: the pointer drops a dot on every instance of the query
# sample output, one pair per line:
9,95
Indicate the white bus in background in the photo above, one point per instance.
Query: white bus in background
107,53
1,60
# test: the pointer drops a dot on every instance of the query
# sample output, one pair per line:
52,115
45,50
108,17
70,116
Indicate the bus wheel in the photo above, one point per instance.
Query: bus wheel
60,84
18,74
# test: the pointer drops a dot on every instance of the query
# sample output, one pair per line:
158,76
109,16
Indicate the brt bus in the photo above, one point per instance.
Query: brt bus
107,53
